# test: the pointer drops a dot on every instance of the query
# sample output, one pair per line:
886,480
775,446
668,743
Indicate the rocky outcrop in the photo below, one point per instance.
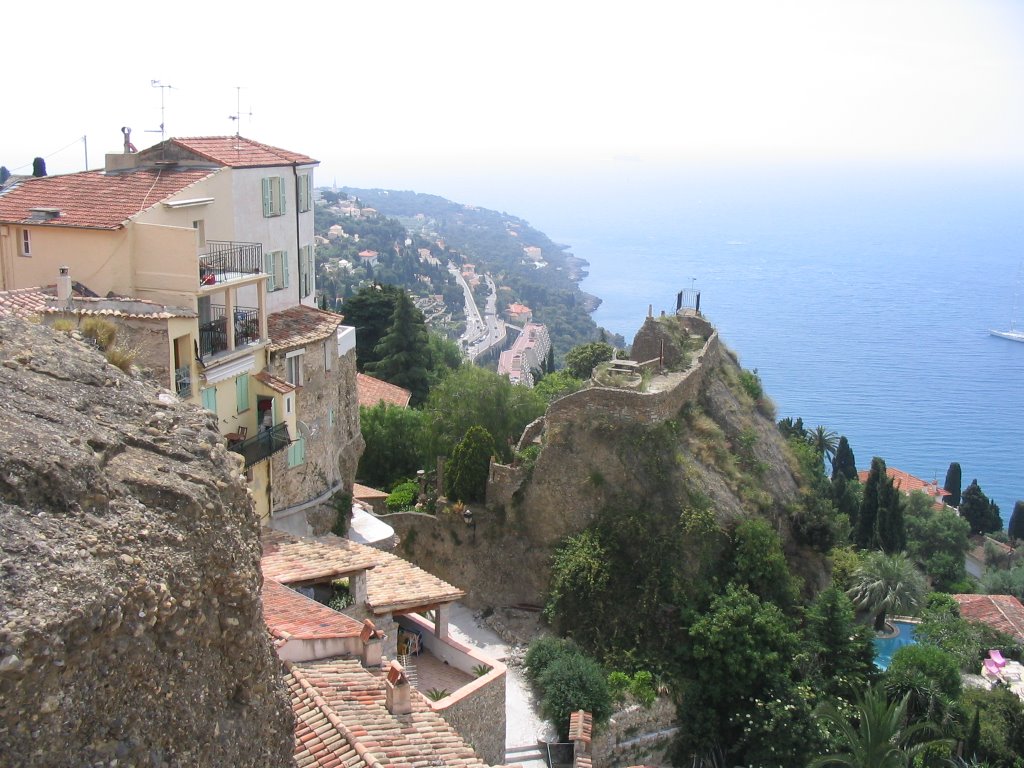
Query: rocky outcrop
131,631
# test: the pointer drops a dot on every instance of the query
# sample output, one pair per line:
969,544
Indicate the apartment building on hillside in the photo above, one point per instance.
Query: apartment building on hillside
218,232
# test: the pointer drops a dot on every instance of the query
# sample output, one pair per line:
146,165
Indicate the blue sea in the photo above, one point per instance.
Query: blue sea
862,295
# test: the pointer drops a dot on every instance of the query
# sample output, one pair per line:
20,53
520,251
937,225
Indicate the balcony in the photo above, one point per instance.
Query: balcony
213,332
262,445
225,261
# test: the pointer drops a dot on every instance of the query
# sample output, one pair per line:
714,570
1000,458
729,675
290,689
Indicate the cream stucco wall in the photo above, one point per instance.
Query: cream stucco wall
98,258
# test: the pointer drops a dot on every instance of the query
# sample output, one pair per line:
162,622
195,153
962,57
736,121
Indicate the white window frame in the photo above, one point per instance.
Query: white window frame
294,360
25,243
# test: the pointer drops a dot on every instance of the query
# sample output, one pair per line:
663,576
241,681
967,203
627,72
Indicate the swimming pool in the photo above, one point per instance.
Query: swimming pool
885,647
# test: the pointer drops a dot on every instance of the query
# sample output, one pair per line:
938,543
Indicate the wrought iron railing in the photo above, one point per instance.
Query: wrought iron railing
225,260
213,333
262,445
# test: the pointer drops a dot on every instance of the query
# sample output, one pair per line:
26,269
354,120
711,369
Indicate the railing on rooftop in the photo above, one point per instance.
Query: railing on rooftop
262,445
213,333
225,260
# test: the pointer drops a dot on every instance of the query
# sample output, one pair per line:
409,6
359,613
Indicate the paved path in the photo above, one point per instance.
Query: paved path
523,726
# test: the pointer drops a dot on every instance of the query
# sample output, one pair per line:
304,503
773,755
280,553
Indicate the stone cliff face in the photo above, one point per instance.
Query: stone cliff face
693,439
130,625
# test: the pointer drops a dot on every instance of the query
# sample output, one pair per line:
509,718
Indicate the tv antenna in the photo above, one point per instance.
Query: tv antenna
163,88
237,117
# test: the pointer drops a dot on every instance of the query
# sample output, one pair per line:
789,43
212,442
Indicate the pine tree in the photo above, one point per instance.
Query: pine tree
978,511
1016,527
953,484
403,355
843,463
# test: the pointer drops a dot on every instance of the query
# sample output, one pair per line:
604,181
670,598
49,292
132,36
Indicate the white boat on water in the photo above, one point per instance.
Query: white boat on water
1011,334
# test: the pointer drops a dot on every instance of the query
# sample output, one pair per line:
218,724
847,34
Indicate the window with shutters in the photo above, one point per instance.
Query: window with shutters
297,452
26,243
305,192
275,264
242,392
209,396
274,196
306,274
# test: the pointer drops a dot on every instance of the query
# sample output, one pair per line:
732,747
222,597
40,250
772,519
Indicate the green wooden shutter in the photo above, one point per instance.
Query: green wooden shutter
209,396
282,196
268,267
242,392
285,282
309,191
267,198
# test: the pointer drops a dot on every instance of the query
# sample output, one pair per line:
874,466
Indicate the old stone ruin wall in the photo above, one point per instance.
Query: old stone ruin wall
597,403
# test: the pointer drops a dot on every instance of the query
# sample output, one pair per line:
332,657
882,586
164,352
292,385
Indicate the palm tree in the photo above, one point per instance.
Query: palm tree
823,440
881,739
884,583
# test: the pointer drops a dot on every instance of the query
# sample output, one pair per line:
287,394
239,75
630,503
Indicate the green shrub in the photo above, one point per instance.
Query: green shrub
402,496
342,503
618,686
542,652
436,694
751,384
641,688
342,598
481,669
572,682
100,332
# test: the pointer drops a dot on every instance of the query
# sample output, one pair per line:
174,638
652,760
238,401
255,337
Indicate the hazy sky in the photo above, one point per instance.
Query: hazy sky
393,93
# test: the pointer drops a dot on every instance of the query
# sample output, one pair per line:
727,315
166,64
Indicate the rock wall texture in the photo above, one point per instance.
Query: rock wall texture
131,631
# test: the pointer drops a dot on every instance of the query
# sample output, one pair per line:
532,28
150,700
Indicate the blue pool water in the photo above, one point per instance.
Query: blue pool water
886,647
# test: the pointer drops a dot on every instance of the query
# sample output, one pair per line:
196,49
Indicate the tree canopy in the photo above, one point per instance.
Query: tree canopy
581,360
979,511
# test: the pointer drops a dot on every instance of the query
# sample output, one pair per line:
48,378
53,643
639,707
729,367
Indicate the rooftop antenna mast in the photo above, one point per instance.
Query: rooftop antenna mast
237,117
163,88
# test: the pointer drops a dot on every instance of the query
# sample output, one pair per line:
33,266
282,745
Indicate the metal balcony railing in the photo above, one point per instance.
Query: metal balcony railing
213,333
225,260
262,445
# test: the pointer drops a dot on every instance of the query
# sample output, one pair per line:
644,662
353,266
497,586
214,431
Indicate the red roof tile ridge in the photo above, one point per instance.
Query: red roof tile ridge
310,690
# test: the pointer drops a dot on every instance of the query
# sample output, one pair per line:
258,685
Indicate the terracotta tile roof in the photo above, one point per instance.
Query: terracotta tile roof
907,482
341,719
292,560
372,391
397,584
240,152
366,492
1002,612
394,584
581,726
289,614
300,325
278,385
24,302
95,199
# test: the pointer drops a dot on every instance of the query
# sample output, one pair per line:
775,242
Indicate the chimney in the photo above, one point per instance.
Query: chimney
397,691
373,642
64,287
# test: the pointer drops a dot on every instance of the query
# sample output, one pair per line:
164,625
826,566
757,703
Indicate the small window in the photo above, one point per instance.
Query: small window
242,392
209,396
26,243
273,196
295,368
297,452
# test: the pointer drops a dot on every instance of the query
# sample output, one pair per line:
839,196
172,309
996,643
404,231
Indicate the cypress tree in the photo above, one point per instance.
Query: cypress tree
843,463
978,511
867,516
953,484
891,534
1016,527
38,167
4,174
549,367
